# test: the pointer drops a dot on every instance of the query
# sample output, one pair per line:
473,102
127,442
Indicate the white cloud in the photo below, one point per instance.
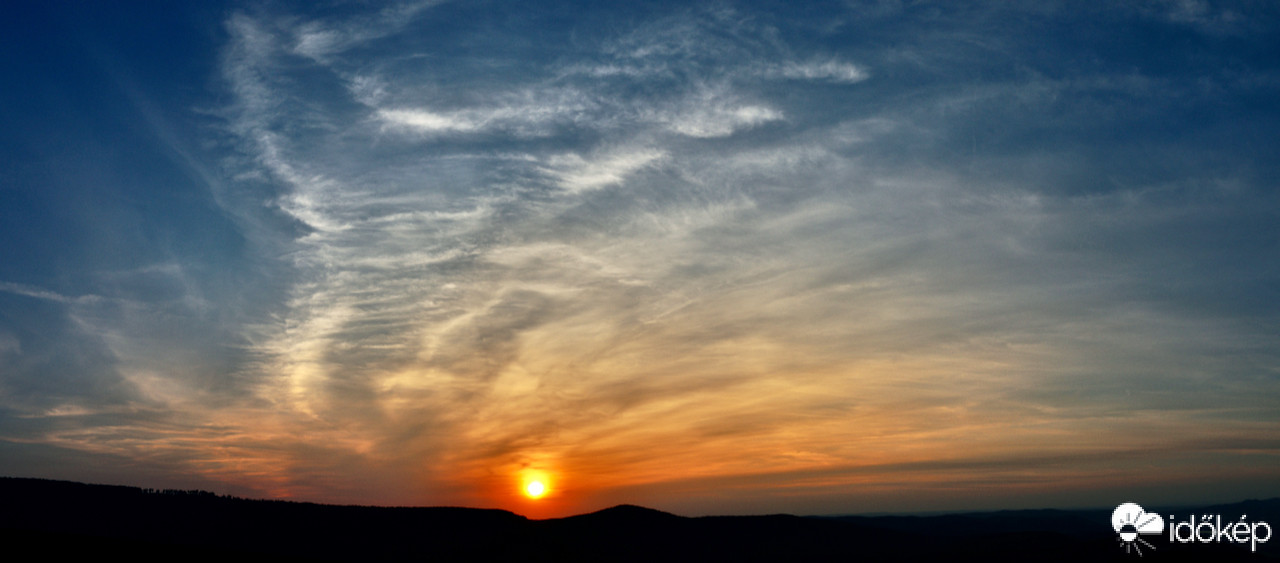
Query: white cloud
38,293
427,121
629,70
720,121
431,280
833,71
523,113
577,174
367,89
315,42
319,40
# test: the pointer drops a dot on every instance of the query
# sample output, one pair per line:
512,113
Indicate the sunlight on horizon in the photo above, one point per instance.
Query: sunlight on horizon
535,489
727,257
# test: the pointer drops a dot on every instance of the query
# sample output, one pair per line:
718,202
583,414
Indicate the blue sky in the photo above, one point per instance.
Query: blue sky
727,258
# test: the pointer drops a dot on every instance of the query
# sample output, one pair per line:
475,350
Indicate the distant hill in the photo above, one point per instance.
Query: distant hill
66,519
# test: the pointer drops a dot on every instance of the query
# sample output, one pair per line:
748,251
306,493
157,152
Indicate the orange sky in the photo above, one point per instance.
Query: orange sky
733,258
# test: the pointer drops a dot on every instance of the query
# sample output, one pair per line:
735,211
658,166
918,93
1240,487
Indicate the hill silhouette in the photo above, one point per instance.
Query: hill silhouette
66,519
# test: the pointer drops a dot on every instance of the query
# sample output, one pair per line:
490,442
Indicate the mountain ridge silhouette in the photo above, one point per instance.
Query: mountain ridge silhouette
72,519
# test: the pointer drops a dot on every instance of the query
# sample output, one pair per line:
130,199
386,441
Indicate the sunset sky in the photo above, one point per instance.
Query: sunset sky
710,258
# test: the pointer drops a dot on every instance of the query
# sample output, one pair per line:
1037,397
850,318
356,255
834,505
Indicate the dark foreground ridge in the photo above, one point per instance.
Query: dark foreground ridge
64,519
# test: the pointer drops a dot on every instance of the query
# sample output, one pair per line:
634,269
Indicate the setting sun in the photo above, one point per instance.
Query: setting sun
712,259
535,483
535,489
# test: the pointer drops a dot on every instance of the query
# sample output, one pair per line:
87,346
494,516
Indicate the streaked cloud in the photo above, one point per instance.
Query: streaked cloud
321,38
714,120
27,291
834,71
709,258
427,121
578,174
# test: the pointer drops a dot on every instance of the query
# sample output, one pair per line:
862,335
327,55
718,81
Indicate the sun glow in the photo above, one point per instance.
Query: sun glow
535,489
535,483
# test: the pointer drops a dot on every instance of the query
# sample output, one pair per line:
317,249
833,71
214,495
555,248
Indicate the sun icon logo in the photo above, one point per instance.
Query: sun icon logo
1129,520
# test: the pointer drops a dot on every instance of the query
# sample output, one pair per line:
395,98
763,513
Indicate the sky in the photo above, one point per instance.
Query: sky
710,258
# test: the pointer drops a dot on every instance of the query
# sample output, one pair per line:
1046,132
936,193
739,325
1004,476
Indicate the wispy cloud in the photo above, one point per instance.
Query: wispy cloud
578,174
638,296
427,121
321,38
526,120
37,293
690,249
830,70
712,119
